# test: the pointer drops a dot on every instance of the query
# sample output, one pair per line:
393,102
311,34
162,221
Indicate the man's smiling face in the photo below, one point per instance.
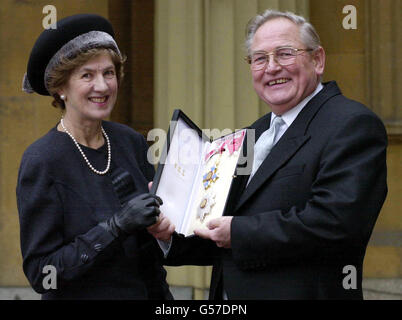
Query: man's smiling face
283,87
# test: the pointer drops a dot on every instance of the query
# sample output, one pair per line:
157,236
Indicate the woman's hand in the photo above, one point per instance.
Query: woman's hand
162,229
138,213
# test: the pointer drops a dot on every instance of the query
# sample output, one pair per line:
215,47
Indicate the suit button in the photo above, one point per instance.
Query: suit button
84,257
98,247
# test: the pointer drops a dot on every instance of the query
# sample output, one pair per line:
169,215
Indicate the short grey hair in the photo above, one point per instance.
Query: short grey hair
308,34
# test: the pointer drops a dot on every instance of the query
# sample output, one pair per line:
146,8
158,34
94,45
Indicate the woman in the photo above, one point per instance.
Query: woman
82,188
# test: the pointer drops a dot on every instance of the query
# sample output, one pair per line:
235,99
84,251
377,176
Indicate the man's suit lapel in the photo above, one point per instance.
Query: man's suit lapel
282,152
293,139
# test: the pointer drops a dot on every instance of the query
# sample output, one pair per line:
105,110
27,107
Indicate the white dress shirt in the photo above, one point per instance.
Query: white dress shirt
289,116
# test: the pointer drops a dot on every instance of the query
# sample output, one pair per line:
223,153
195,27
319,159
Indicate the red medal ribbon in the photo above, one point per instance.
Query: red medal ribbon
232,144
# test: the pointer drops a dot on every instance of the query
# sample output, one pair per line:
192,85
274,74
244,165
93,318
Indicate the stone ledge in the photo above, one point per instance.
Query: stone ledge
382,289
373,289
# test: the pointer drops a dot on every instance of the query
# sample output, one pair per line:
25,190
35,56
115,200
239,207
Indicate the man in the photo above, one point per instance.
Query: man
310,204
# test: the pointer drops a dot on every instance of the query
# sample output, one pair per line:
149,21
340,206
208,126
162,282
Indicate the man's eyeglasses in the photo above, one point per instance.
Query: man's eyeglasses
284,56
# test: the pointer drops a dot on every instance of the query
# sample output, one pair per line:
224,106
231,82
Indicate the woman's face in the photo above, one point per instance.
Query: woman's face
91,90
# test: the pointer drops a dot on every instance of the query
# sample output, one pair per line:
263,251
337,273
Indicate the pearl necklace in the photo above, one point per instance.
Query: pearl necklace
109,153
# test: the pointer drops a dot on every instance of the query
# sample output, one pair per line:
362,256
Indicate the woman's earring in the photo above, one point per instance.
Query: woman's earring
63,97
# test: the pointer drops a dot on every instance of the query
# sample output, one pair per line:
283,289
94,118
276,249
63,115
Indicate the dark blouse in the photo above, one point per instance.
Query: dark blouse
60,203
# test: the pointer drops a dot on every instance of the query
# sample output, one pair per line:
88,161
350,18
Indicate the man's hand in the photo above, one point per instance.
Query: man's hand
218,231
162,229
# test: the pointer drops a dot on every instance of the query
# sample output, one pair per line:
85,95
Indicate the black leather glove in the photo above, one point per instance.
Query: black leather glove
138,213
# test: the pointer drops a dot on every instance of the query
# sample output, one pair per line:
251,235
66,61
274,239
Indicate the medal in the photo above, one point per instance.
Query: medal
207,202
211,176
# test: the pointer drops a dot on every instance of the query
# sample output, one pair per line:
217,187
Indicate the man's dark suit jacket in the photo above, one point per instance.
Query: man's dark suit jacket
307,213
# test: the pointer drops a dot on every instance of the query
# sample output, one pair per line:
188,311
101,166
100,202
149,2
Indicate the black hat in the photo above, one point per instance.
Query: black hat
71,35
